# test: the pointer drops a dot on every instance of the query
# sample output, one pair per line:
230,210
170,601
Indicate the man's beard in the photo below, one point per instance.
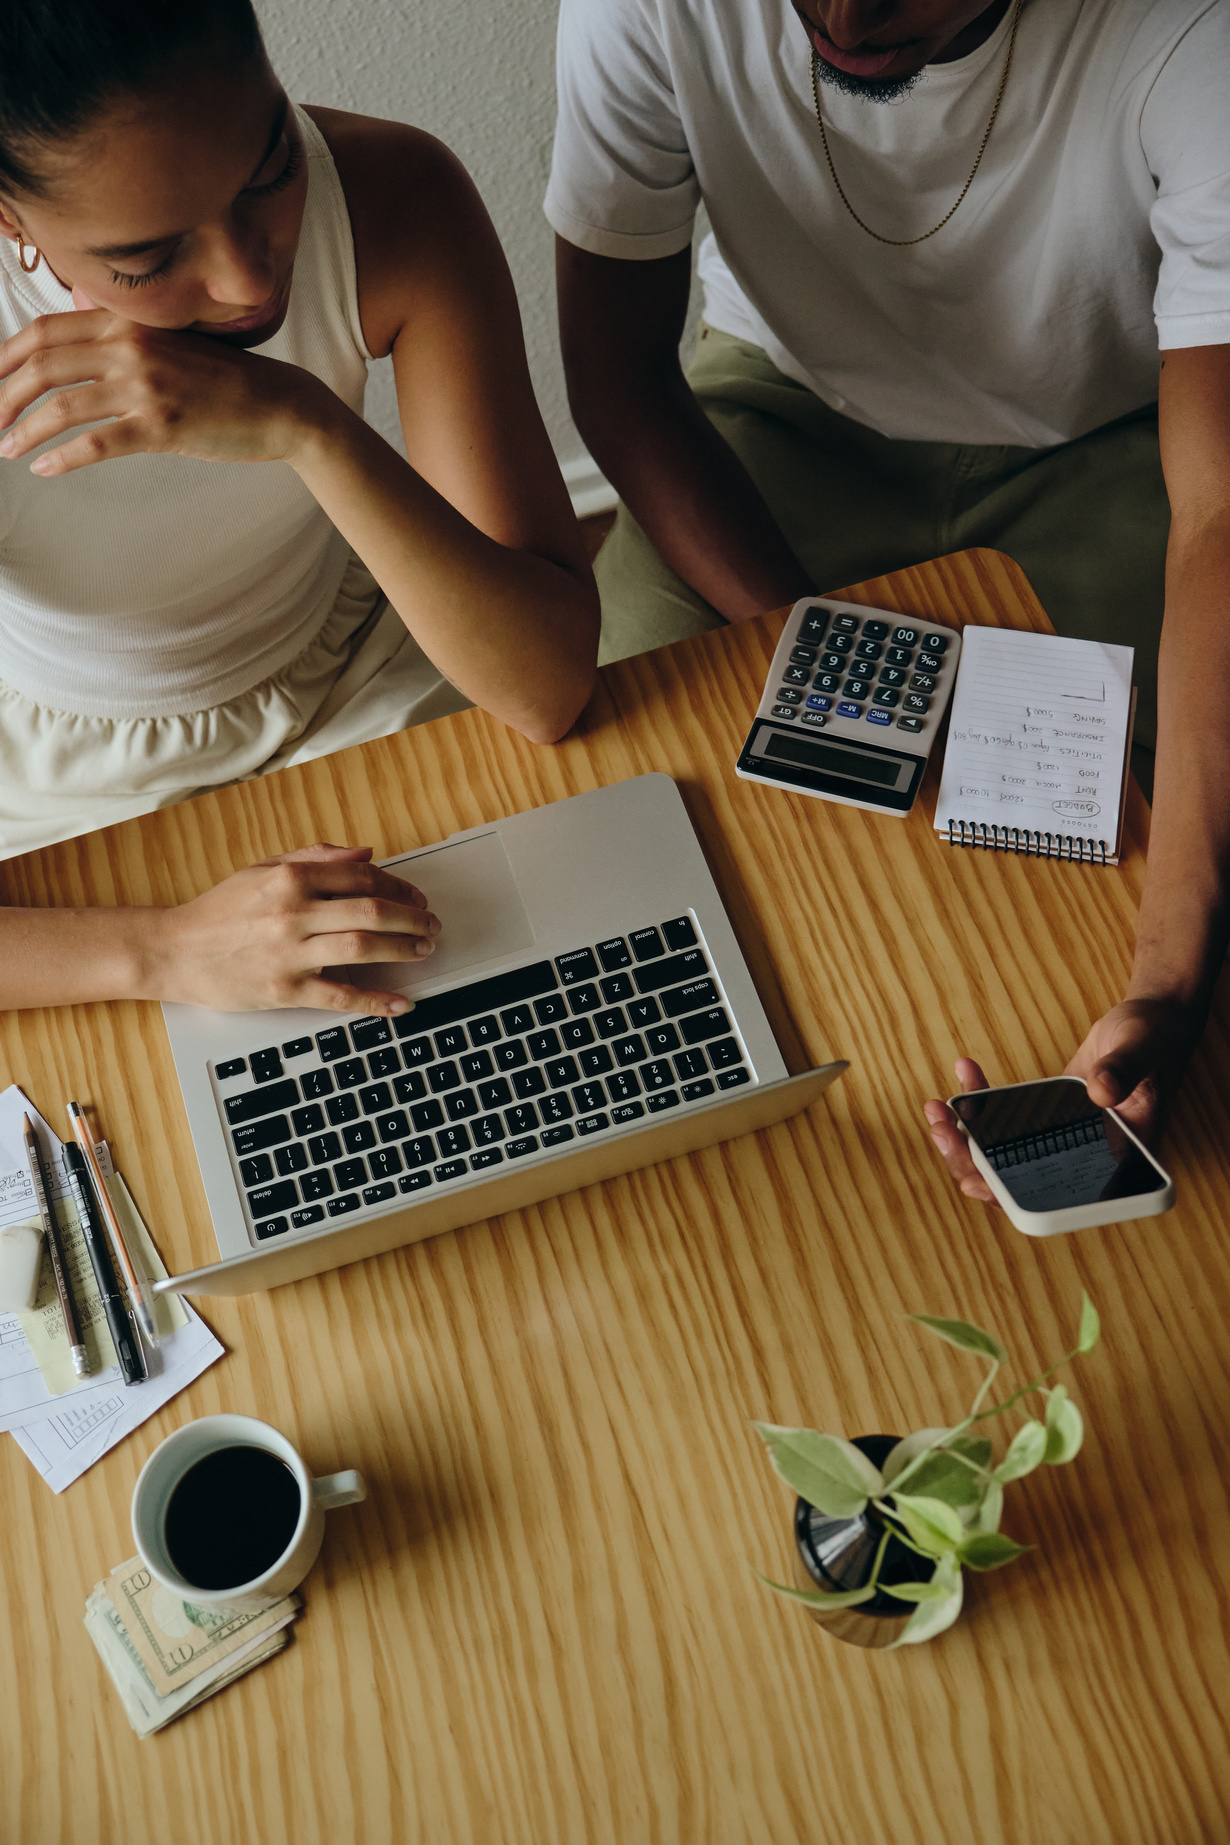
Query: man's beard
868,89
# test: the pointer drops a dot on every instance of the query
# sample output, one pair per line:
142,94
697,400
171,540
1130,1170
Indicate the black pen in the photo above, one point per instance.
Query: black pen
123,1332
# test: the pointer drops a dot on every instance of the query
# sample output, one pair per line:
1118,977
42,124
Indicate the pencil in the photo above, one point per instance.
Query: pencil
81,1363
138,1284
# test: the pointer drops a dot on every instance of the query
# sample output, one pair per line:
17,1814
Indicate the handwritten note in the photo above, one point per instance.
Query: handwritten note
1038,736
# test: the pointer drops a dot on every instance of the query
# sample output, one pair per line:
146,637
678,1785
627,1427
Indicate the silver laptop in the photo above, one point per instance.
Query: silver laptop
587,1012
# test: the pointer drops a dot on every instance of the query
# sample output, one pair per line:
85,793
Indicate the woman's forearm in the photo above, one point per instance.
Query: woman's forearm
70,957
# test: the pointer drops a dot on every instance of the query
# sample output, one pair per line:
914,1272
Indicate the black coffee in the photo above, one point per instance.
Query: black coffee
231,1517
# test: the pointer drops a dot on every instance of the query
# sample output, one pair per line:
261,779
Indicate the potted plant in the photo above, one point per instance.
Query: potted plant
885,1527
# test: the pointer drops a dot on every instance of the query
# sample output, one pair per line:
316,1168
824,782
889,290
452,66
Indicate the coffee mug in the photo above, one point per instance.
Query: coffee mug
225,1514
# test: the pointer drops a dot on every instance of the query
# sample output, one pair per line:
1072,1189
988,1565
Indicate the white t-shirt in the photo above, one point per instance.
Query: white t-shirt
1097,228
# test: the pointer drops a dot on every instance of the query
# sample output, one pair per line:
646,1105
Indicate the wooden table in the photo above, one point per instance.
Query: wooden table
542,1628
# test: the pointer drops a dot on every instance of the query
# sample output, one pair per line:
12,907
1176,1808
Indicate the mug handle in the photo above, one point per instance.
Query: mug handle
334,1489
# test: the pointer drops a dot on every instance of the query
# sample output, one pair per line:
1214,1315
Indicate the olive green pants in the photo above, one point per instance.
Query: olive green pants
1087,521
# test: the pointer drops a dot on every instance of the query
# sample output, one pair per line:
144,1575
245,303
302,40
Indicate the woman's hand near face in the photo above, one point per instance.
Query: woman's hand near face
167,392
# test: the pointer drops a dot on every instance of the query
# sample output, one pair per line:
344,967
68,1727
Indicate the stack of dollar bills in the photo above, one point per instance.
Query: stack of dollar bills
166,1656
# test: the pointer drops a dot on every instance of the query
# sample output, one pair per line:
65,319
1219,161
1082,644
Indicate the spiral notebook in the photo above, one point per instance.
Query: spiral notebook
1037,756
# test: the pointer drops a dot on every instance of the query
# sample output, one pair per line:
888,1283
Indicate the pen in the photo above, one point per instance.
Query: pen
138,1286
81,1364
123,1333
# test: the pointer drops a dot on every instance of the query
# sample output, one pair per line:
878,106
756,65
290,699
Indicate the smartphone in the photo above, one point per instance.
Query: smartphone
1058,1162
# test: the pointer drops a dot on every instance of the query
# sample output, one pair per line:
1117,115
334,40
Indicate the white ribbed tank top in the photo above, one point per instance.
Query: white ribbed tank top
154,585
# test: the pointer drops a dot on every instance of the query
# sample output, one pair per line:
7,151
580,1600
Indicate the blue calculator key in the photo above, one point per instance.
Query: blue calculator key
816,703
879,717
784,711
847,710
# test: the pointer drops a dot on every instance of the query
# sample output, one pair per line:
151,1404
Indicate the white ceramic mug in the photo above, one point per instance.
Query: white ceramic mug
167,1466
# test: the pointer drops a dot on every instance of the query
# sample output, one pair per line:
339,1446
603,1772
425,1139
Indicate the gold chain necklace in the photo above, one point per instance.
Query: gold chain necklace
902,243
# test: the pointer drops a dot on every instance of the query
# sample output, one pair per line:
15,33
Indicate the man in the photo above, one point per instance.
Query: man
927,326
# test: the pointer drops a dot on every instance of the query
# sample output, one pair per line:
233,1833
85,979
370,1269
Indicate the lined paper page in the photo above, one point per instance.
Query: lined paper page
1038,735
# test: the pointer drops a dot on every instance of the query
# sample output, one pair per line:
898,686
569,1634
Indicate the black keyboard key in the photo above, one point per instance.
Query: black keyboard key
273,1226
486,1130
453,1141
487,1156
258,1102
325,1148
234,1066
643,1012
418,1051
543,1044
414,1182
453,1169
732,1079
283,1196
517,1149
297,1047
426,1115
584,999
366,1034
690,1064
350,1074
695,1092
461,1105
485,1030
349,1174
577,966
552,1010
442,1076
628,1111
702,1025
316,1083
266,1066
477,1065
592,1124
383,1063
512,1055
411,1087
723,1053
596,1062
379,1194
316,1184
562,1072
359,1138
495,1093
669,1098
419,1152
342,1108
617,987
658,1075
488,995
291,1159
554,1137
577,1033
661,1040
589,1097
527,1083
522,1119
629,1050
517,1019
342,1207
332,1043
393,1127
376,1099
256,1171
669,973
314,1214
623,1086
646,944
614,954
449,1043
555,1108
875,630
613,1023
689,998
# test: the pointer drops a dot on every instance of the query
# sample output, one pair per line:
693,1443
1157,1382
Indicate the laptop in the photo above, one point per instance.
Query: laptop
587,1012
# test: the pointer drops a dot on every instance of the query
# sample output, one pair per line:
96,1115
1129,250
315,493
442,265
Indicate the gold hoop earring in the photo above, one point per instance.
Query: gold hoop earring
22,246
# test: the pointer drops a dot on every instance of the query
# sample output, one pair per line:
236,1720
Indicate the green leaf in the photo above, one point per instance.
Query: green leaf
917,1591
1065,1429
908,1449
812,1598
935,1527
831,1474
942,1476
932,1618
976,1448
1090,1326
991,1510
1027,1448
990,1550
967,1338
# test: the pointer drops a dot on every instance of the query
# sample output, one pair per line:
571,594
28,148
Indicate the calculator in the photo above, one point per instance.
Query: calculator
852,704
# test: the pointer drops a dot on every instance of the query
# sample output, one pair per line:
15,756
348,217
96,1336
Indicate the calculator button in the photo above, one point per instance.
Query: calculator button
922,682
914,701
816,703
802,656
905,637
935,643
891,675
814,719
848,624
875,630
783,711
832,663
840,643
887,696
898,656
797,675
869,650
862,669
856,688
909,723
827,682
879,717
849,711
814,627
790,695
928,663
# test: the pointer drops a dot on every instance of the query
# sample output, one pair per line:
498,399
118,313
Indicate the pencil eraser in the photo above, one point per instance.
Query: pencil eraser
21,1262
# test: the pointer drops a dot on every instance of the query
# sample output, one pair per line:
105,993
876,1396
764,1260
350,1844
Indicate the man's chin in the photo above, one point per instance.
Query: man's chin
868,89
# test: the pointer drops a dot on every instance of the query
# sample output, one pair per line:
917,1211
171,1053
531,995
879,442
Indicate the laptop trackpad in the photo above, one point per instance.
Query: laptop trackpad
470,886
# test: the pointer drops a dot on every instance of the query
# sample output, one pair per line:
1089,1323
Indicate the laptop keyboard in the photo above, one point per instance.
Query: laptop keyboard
525,1062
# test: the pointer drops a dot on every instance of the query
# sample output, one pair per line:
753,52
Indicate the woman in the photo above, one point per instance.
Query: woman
193,276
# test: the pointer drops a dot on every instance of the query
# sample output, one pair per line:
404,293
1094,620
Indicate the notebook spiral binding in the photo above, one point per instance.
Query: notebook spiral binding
1026,1147
1026,843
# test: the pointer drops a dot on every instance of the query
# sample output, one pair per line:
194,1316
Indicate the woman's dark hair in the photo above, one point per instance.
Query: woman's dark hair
62,61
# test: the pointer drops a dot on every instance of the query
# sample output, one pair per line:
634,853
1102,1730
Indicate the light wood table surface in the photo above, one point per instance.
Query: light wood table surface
542,1628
